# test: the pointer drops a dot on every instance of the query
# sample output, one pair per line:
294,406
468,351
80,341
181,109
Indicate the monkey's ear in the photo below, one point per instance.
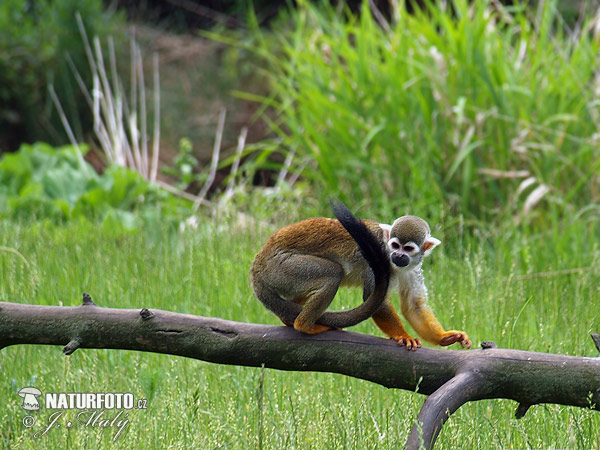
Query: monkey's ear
429,244
386,231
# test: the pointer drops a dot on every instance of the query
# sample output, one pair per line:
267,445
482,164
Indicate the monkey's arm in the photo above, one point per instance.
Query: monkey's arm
420,316
389,322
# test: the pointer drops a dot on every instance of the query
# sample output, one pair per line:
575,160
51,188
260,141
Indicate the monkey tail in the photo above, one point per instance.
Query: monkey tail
375,255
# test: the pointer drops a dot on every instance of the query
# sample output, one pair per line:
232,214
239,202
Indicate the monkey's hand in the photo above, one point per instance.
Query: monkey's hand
452,336
411,343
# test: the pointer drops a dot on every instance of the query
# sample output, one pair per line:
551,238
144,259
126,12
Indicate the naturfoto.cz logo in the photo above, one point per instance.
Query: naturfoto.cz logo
100,410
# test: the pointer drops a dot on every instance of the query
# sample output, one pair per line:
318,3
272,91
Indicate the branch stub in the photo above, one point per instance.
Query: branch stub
522,410
146,314
70,348
87,300
596,339
488,344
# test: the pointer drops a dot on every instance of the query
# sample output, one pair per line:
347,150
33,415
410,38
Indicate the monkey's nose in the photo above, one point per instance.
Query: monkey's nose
400,260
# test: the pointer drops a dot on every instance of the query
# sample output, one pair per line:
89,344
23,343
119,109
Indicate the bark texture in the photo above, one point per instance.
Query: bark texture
450,377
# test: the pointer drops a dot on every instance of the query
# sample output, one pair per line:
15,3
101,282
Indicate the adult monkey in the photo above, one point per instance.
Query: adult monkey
299,270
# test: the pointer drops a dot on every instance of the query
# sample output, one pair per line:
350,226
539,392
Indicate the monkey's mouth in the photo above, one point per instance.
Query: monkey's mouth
400,260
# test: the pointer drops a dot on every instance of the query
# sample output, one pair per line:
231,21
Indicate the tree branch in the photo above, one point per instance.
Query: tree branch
464,387
454,377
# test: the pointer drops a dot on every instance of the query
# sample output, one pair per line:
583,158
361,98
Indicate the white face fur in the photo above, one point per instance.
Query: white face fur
408,254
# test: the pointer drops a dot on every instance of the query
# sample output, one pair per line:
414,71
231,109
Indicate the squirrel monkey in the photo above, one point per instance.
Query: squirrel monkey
299,270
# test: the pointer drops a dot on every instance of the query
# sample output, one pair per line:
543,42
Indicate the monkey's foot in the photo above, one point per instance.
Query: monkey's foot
314,329
411,343
452,336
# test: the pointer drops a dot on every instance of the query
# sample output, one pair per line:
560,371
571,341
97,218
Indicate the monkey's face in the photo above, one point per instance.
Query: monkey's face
409,242
404,255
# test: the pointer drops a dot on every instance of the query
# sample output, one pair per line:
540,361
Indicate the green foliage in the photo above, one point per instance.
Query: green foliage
41,182
493,295
35,38
184,165
446,114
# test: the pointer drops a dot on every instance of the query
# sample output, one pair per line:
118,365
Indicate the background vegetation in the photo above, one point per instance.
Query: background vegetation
475,109
482,118
57,184
36,40
202,405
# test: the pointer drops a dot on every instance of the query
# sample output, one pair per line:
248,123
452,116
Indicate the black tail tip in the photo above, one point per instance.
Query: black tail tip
341,211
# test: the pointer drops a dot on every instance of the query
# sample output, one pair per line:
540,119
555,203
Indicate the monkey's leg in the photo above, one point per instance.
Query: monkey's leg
312,282
420,316
389,322
298,300
316,304
287,323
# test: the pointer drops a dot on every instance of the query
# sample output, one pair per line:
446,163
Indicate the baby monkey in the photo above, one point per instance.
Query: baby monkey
299,270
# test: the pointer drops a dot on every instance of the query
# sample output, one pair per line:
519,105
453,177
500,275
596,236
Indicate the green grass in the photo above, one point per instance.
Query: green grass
447,113
474,285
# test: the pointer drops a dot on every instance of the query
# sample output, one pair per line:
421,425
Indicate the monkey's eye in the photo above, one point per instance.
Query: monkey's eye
409,248
395,245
